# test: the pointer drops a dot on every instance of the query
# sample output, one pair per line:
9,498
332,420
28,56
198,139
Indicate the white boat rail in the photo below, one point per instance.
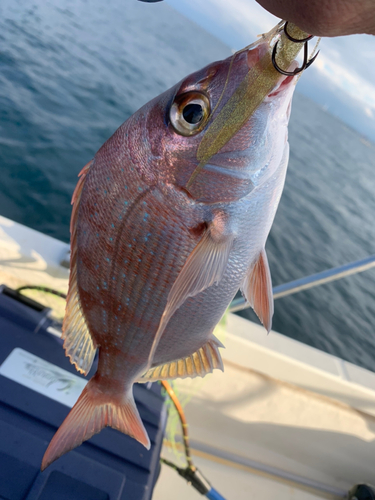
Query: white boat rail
311,281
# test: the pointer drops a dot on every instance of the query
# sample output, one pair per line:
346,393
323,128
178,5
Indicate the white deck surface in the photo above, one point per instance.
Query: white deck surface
28,256
285,421
280,427
300,364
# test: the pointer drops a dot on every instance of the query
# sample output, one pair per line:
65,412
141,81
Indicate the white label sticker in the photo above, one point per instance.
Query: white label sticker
43,377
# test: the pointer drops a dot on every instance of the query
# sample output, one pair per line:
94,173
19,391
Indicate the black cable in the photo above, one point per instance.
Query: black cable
42,289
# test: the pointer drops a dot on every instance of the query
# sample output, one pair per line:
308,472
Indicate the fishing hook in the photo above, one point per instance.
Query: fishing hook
306,62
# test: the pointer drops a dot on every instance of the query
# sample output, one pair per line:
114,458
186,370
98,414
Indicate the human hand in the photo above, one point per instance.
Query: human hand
326,17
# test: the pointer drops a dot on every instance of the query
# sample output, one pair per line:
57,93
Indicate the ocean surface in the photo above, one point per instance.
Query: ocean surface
71,71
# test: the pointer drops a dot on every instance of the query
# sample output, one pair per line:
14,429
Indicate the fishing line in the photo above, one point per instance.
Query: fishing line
191,472
182,418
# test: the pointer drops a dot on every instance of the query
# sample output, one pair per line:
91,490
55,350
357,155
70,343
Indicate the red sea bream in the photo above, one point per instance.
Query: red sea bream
169,220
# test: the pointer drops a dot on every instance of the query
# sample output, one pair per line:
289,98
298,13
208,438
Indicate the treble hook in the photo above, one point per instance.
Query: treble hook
306,63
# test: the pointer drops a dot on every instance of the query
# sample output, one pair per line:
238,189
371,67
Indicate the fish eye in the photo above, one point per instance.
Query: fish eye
189,113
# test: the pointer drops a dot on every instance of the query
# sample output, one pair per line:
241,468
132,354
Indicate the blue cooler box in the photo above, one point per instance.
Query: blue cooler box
38,385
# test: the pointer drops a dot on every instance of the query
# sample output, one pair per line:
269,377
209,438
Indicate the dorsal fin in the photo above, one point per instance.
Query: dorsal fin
257,290
78,343
201,362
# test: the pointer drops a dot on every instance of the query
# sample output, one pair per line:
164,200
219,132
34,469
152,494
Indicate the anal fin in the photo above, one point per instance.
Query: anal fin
201,362
257,290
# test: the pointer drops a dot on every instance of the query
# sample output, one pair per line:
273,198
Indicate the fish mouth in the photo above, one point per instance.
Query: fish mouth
259,82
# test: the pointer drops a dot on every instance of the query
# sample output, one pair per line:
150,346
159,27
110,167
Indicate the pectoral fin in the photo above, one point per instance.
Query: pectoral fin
201,362
257,290
204,267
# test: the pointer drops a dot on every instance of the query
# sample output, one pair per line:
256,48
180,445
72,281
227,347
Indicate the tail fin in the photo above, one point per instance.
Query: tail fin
92,412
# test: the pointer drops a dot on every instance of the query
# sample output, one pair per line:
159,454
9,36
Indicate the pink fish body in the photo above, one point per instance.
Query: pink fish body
167,224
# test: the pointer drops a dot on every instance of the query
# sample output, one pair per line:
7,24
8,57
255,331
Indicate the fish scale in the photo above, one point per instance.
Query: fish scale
142,311
169,219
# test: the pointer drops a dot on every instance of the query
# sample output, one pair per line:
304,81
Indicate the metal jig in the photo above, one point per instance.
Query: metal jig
306,62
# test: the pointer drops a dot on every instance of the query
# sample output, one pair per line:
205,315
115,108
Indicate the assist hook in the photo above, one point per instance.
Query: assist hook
306,62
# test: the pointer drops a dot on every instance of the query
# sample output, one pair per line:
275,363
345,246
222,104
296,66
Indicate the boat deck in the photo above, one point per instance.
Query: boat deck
284,421
289,437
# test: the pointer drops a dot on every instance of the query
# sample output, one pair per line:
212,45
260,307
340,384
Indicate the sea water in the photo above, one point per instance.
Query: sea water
71,71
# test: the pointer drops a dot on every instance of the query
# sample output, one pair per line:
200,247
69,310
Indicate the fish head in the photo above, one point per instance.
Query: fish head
221,131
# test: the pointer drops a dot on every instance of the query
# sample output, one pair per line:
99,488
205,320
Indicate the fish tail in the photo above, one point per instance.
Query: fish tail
93,411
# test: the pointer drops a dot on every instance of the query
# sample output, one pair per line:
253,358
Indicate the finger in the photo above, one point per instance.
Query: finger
326,17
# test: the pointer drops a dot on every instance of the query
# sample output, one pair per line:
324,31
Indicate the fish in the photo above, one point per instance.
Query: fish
169,219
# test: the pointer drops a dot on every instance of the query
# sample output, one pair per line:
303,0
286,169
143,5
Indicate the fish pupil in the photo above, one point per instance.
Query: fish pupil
192,113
